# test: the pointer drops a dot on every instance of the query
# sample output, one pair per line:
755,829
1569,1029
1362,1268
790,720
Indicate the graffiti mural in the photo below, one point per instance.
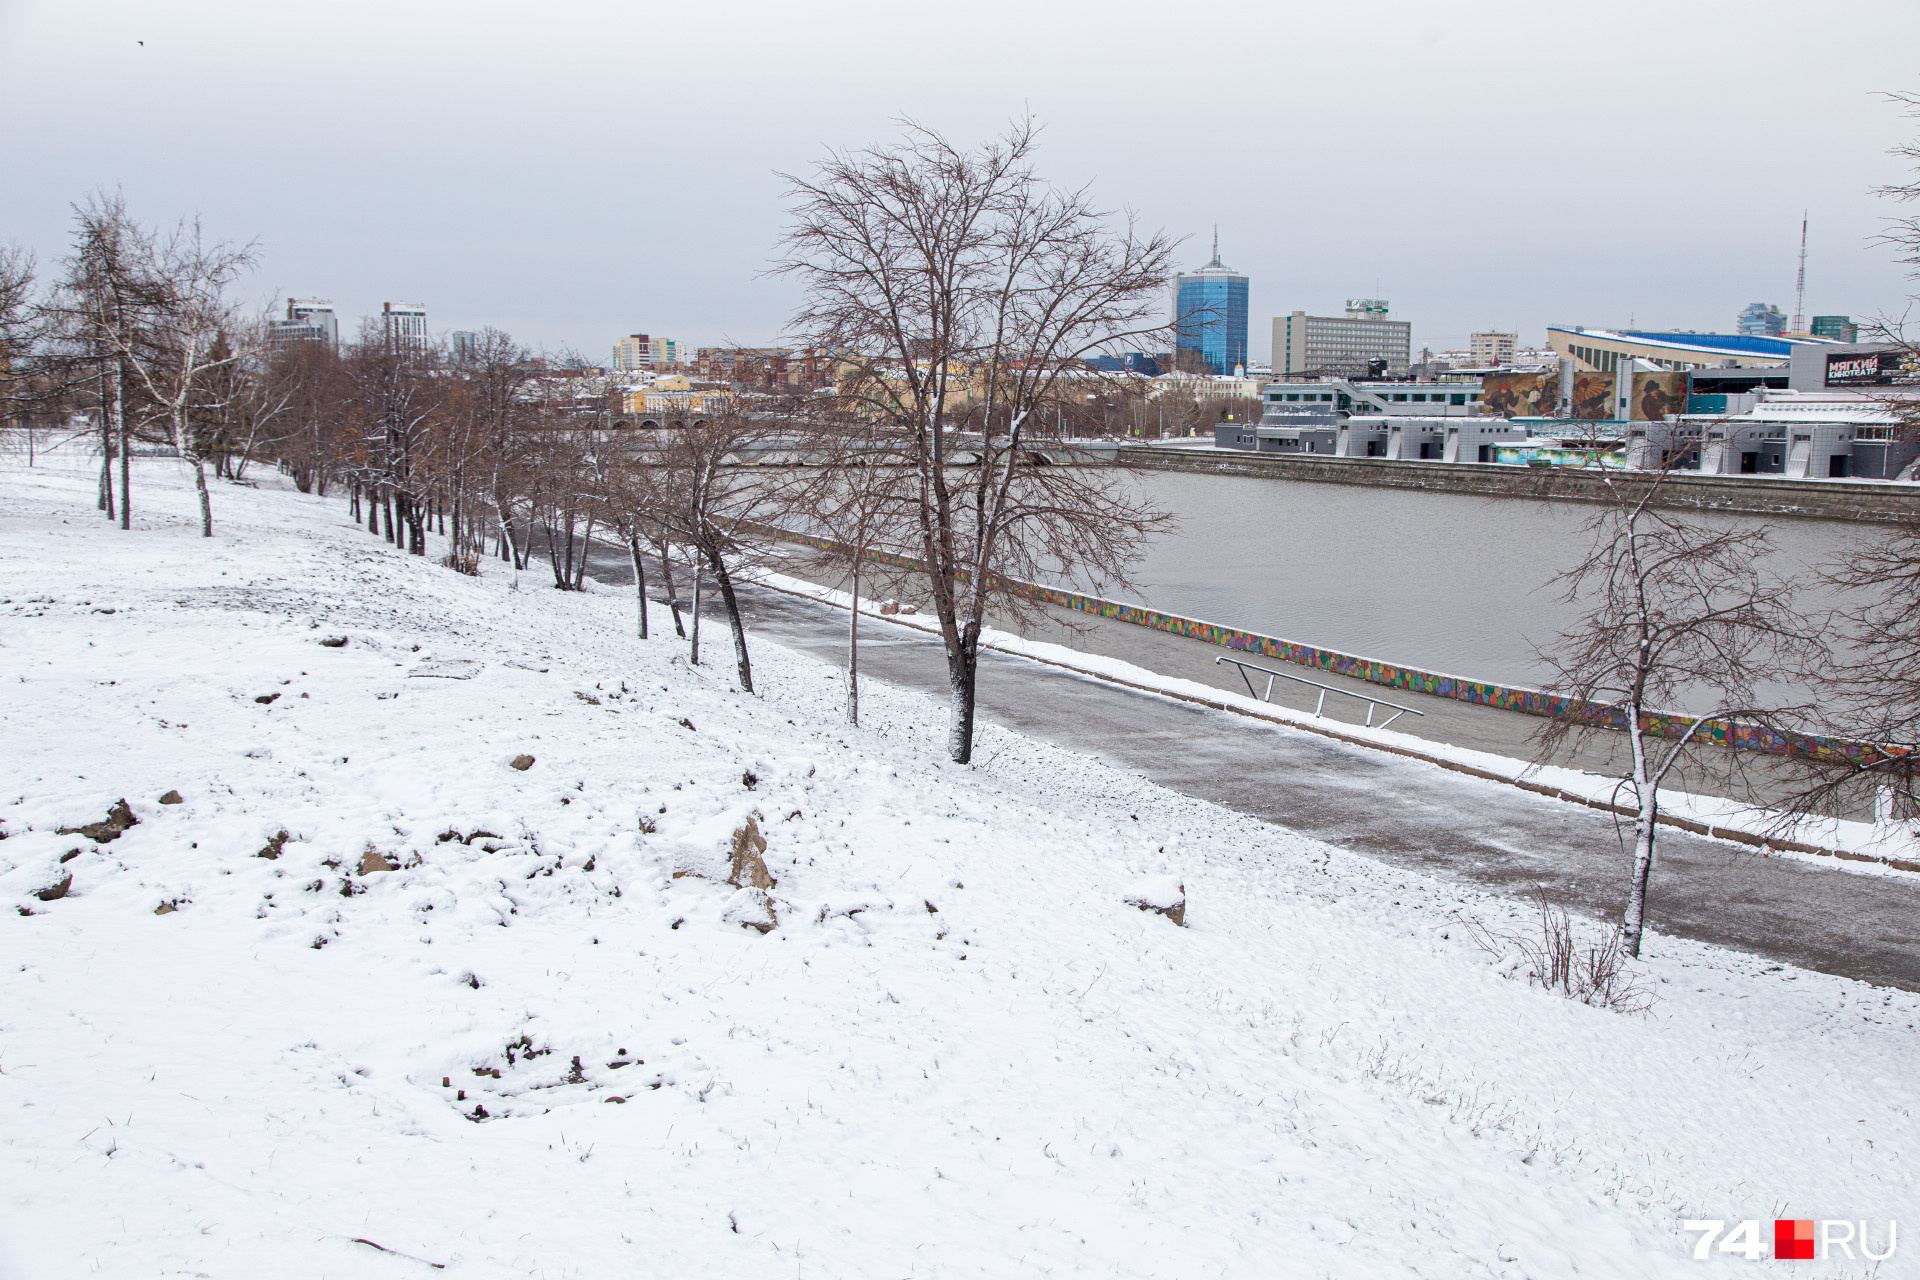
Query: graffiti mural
1519,395
1655,395
1533,702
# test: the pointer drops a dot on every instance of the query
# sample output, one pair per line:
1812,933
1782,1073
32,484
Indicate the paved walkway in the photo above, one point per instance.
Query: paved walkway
1402,811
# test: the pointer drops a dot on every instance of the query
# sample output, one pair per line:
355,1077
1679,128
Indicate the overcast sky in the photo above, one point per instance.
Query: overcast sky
575,170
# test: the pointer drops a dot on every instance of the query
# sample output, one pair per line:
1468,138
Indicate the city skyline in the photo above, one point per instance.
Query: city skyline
492,229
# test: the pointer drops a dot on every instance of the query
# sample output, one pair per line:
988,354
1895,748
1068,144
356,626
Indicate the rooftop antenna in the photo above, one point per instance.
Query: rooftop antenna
1216,244
1800,285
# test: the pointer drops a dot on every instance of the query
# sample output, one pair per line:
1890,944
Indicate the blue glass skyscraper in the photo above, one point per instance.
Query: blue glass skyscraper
1210,314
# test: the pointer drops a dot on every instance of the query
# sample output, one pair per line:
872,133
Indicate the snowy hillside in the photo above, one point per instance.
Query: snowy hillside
514,1022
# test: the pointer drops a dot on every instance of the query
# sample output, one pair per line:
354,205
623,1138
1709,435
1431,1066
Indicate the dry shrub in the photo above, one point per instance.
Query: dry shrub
466,562
1564,958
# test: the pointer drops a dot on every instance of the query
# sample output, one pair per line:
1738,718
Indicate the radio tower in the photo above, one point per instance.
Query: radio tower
1800,285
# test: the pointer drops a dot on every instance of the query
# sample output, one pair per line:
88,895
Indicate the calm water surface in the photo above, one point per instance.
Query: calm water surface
1445,582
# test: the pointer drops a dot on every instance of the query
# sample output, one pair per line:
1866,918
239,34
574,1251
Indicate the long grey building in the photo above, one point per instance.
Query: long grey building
1342,346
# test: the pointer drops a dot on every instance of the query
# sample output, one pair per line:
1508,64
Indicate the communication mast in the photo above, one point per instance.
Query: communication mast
1800,285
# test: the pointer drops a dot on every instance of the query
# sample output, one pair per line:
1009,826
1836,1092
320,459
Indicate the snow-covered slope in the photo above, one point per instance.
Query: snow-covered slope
533,1049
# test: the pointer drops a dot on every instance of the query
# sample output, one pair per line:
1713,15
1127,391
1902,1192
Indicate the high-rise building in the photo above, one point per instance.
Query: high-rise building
1210,315
1364,342
1492,348
1839,328
311,320
463,344
639,352
405,325
1762,320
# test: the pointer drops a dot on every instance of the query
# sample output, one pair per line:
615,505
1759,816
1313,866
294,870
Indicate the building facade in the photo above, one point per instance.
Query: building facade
463,345
1491,349
639,352
1349,347
404,325
1761,320
1602,350
311,320
1836,328
1210,316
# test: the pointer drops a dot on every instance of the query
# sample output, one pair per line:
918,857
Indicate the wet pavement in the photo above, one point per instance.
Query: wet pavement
1403,812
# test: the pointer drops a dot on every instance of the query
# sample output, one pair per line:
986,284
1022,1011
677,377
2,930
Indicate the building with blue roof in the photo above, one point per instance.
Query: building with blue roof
1603,350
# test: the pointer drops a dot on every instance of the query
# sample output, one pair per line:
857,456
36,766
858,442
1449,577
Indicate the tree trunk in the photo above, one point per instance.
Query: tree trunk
725,579
694,644
586,545
126,459
206,500
106,457
962,668
639,582
853,649
1634,921
673,600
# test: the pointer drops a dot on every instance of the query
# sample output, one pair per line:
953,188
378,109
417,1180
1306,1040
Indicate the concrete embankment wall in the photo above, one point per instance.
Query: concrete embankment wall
1534,702
1873,501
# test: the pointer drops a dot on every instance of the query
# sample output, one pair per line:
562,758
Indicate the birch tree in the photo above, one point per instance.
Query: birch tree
1673,612
176,284
965,290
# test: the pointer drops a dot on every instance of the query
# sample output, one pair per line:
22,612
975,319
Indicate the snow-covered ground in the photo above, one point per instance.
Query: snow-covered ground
533,1049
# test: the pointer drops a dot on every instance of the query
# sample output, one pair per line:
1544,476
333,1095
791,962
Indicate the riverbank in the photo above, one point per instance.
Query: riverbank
1870,501
365,944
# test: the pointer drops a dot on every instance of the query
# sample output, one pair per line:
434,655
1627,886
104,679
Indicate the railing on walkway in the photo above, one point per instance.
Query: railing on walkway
1324,689
1713,731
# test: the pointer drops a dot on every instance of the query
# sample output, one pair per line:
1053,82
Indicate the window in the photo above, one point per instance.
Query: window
1457,398
1399,397
1420,397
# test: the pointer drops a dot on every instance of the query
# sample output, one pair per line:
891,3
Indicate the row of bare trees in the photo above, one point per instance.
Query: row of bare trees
965,296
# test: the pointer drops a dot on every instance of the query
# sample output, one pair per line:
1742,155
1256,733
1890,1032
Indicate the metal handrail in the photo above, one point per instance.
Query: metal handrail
1324,689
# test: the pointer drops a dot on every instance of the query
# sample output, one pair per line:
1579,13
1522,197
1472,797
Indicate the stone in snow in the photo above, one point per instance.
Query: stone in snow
1164,894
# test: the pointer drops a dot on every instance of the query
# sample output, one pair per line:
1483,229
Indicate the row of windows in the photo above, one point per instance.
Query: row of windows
1397,397
1609,361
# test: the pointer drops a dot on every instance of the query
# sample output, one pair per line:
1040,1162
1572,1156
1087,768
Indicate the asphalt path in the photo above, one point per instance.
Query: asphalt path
1403,812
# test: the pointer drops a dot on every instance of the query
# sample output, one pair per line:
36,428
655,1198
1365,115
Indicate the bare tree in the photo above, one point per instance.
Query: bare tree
709,497
858,496
964,290
21,325
1673,612
172,292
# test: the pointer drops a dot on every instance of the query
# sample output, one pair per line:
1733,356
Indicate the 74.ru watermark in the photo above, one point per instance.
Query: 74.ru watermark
1793,1238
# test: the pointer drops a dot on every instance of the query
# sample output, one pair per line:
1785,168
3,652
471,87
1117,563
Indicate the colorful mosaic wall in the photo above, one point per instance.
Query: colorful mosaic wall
1533,702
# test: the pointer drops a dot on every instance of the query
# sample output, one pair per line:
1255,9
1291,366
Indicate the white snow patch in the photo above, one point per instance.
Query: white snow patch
229,1051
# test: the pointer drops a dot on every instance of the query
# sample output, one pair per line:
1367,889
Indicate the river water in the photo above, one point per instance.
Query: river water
1444,582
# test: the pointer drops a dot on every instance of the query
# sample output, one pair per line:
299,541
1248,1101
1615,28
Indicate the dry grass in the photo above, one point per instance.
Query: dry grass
1584,965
